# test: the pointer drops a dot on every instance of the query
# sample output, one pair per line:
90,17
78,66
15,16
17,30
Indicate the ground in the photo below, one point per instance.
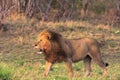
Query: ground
19,61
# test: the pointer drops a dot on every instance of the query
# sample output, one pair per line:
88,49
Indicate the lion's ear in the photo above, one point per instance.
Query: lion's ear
49,36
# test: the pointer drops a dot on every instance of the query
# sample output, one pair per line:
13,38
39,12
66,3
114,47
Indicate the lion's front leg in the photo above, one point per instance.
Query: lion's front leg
69,67
47,68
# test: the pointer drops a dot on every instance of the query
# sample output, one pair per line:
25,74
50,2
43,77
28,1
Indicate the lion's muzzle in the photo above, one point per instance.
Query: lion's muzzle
41,50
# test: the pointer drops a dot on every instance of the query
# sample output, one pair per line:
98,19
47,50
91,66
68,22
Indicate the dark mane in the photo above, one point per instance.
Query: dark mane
54,35
57,54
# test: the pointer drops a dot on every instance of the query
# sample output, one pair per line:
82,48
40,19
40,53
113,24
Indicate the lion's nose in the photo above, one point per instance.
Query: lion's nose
35,45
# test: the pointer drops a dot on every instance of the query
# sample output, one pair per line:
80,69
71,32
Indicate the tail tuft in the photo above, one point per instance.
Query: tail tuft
106,64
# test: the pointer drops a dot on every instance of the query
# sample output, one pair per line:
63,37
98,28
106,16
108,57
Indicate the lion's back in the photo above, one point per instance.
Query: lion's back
82,46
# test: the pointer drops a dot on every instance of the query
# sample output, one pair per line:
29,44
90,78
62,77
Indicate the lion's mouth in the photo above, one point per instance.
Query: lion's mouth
41,51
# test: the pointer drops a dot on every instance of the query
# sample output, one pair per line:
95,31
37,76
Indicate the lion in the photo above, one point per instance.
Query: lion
59,49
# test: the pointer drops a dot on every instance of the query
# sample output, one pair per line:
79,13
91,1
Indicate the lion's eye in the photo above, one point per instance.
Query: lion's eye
40,40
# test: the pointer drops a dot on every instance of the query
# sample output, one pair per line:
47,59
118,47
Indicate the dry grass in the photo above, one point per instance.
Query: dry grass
17,50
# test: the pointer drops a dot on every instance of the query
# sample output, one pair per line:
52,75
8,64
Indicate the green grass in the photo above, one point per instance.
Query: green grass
19,60
6,72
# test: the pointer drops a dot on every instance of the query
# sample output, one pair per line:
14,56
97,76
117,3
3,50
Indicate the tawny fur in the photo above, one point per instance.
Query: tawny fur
58,49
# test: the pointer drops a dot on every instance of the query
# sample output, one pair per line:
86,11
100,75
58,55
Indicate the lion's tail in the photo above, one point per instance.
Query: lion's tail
106,64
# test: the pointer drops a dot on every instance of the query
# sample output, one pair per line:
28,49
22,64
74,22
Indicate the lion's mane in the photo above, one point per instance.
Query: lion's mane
56,52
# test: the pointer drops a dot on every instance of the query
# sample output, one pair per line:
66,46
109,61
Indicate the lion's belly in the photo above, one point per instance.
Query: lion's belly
77,56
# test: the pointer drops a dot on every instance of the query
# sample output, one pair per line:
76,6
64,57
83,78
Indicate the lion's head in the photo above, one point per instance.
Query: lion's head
46,41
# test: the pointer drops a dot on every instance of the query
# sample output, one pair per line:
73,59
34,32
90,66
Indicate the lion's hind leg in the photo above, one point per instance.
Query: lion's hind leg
87,63
96,56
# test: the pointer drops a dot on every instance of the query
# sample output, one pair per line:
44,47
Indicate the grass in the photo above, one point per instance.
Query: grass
19,60
6,72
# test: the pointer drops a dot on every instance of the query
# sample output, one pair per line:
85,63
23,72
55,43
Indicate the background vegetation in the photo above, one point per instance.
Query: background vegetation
63,10
22,20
